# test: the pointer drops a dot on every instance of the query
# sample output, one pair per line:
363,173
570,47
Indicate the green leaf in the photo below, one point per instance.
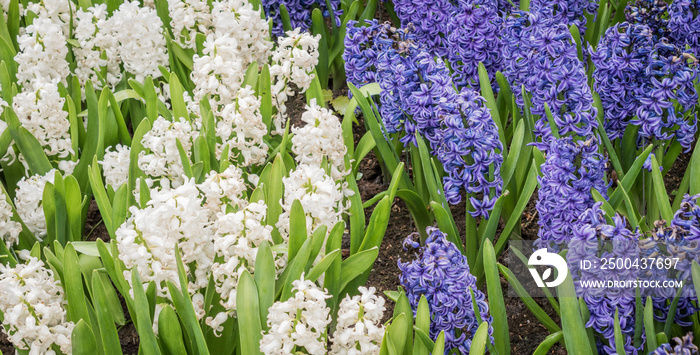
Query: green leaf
83,340
487,93
28,145
619,339
526,193
265,273
501,335
323,265
535,308
169,332
248,314
572,325
297,229
108,331
73,286
481,337
422,326
660,192
144,324
275,192
184,307
376,229
549,341
356,265
440,341
649,324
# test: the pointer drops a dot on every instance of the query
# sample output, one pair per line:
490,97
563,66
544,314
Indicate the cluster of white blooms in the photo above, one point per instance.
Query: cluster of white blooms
40,111
299,322
187,19
97,50
320,196
237,238
116,165
58,11
33,307
148,238
241,127
218,72
359,329
142,45
321,137
42,55
160,157
28,202
294,59
238,19
220,189
9,229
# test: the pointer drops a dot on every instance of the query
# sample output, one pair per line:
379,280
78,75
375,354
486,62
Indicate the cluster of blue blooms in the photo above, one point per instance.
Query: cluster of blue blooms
668,98
441,274
470,152
590,233
419,99
568,12
684,346
570,171
680,241
620,61
299,13
652,13
684,23
540,55
636,75
464,32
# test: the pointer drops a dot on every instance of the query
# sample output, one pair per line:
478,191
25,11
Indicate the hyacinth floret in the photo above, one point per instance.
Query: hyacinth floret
667,100
365,42
571,170
540,55
620,63
595,238
684,24
473,36
299,13
299,322
469,148
684,346
568,12
652,13
465,32
441,273
679,240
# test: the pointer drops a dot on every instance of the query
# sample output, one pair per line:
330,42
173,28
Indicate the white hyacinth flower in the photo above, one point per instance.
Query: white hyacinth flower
142,45
187,19
321,137
148,238
33,307
9,229
97,50
237,239
359,329
295,59
299,322
42,54
40,110
116,165
240,126
320,196
160,157
28,202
